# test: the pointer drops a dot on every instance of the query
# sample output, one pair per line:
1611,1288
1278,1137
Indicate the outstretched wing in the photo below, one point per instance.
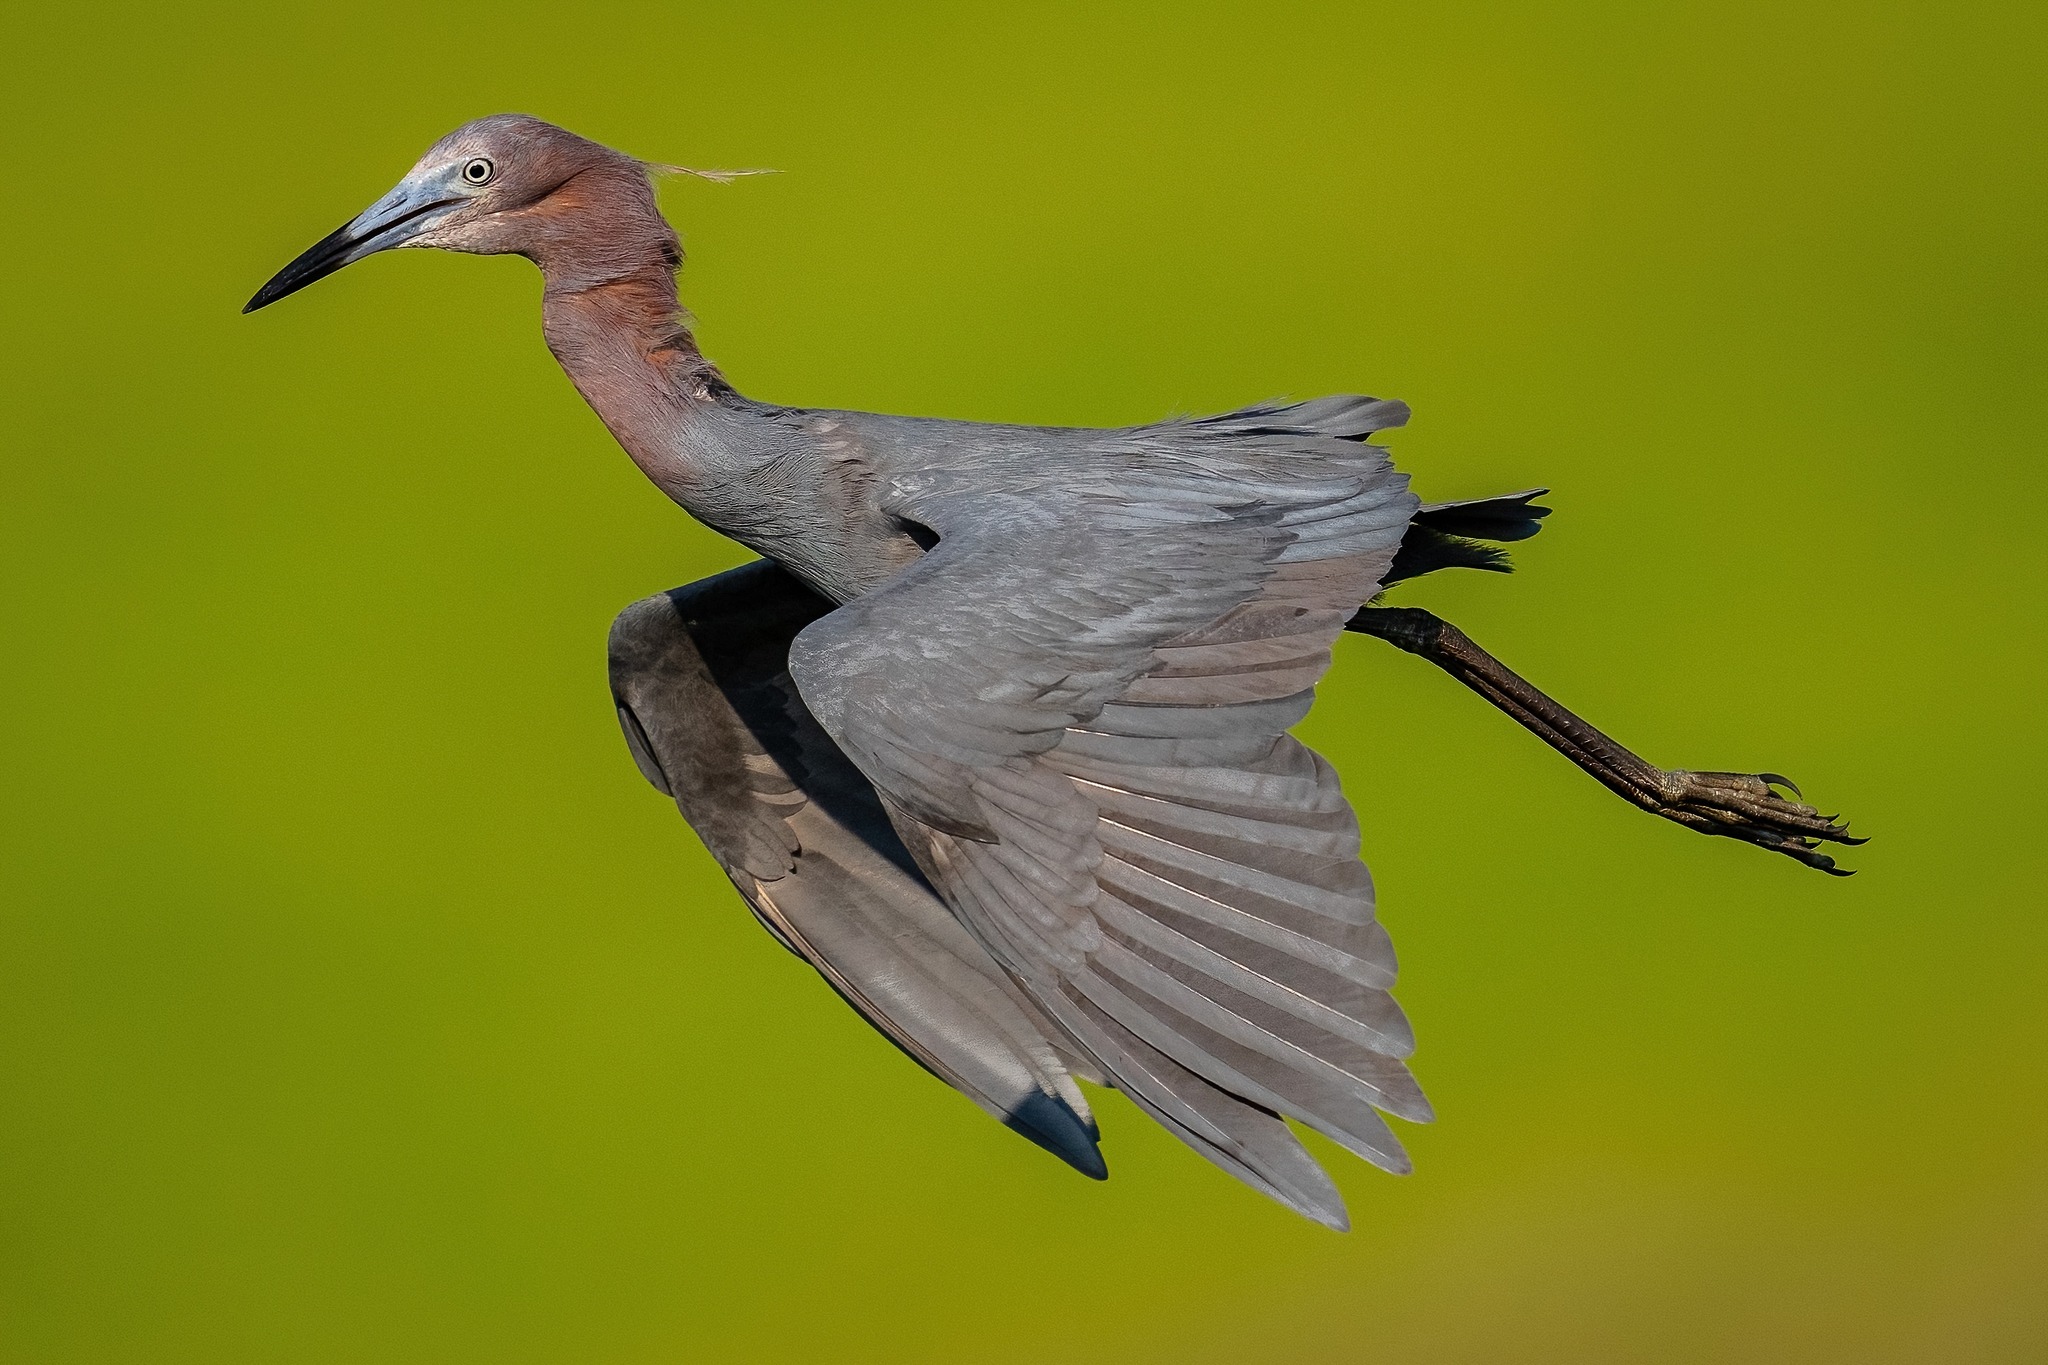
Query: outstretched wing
700,678
1077,708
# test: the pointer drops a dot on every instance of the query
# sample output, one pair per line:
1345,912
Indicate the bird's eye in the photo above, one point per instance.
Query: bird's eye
479,171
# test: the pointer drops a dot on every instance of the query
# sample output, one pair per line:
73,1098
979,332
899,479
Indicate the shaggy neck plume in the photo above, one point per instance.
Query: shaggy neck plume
611,316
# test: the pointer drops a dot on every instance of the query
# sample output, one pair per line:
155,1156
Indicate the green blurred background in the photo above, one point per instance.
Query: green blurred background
360,1003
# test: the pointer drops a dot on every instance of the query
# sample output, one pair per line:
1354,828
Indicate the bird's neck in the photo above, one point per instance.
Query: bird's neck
611,317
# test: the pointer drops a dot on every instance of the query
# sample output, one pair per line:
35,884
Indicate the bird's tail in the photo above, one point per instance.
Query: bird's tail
1453,535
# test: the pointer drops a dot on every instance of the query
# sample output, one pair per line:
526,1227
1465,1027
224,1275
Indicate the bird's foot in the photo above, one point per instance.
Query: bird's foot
1745,806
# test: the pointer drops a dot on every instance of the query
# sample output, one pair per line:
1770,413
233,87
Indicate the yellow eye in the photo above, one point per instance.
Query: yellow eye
479,171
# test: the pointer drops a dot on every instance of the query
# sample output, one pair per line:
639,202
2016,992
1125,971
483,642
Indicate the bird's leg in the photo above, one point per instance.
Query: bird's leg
1737,805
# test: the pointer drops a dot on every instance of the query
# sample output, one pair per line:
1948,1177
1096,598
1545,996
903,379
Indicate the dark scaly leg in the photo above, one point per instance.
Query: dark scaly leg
1737,805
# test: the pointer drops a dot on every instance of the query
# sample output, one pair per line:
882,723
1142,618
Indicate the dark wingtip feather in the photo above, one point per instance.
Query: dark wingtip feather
1050,1124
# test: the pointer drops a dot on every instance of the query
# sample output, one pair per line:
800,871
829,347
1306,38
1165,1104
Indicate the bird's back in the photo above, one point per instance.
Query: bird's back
830,494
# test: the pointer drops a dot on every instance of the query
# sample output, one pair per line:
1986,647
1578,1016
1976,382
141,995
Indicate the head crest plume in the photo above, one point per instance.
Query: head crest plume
715,177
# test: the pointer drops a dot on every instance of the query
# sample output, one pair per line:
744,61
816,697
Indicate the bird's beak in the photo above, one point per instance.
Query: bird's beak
392,221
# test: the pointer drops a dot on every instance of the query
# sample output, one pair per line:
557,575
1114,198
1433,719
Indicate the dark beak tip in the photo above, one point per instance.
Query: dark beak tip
312,265
277,288
267,295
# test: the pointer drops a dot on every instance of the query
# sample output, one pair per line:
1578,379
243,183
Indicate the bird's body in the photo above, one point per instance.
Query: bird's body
996,735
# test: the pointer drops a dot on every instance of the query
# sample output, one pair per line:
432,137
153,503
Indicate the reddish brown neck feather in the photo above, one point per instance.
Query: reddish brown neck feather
610,311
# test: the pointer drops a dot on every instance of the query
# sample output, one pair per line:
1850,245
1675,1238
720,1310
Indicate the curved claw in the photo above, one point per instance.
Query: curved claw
1805,850
1780,780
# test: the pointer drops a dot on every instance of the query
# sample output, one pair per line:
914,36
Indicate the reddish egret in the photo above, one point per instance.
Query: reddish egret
995,733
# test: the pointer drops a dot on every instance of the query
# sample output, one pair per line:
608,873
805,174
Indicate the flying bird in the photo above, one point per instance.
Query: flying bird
995,733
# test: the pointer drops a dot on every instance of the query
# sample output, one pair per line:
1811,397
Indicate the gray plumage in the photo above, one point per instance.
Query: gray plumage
1073,712
995,736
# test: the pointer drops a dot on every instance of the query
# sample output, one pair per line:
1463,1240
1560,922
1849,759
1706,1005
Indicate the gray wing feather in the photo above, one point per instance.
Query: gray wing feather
1076,709
1250,1142
700,679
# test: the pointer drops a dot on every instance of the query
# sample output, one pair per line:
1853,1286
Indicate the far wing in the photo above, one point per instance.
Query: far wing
700,679
1077,706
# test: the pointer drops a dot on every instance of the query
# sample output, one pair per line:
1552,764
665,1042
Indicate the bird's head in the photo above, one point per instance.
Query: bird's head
510,183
